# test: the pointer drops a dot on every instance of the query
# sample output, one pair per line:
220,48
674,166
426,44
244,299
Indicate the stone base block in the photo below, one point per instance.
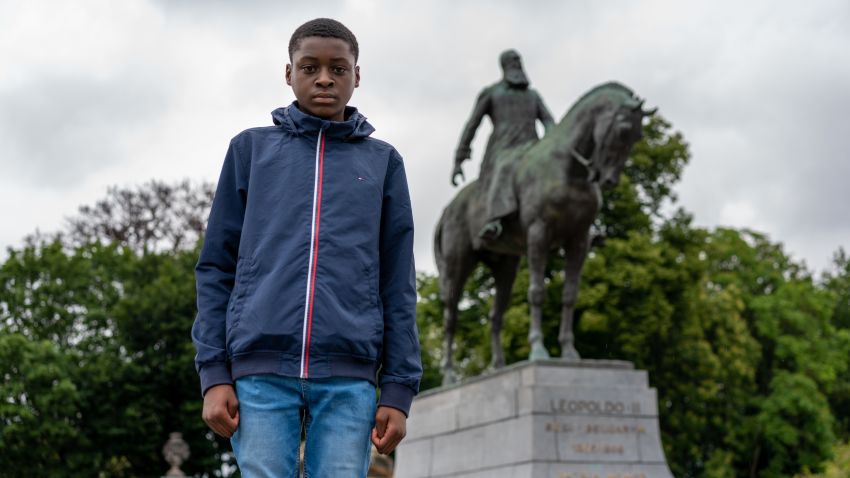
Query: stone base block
551,418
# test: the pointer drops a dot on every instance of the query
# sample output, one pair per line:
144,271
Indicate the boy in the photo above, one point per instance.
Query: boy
306,281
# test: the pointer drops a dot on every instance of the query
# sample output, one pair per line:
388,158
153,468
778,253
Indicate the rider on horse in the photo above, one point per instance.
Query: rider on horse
513,109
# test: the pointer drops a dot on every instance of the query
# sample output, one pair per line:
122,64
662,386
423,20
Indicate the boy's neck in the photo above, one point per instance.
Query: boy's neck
346,113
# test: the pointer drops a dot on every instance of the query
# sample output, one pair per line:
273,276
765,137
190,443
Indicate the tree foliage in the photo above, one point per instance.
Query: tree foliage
96,362
40,414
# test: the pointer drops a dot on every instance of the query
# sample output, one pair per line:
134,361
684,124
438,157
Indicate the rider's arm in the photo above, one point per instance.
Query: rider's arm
482,107
543,113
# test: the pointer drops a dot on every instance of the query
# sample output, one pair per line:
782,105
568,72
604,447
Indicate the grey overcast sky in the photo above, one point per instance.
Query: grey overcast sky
96,93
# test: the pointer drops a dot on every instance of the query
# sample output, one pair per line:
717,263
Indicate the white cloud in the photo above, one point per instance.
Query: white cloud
99,92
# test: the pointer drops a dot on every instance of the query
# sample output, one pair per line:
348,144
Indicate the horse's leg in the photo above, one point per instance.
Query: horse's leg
452,279
504,269
575,251
537,255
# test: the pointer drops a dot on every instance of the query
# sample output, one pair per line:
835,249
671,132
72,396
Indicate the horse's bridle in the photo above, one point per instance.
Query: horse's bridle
587,163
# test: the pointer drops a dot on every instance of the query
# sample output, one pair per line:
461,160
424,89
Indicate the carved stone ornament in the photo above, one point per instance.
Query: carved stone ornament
175,451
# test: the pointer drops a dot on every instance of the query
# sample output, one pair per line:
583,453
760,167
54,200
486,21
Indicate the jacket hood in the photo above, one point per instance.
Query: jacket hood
298,122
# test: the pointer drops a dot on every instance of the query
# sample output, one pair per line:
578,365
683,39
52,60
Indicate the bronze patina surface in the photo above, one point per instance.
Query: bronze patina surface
556,185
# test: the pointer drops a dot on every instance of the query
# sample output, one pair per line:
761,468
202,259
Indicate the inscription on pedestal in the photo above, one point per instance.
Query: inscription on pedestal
594,407
607,428
604,448
570,474
596,438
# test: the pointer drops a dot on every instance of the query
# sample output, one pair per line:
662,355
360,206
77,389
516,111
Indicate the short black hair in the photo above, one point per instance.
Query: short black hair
324,27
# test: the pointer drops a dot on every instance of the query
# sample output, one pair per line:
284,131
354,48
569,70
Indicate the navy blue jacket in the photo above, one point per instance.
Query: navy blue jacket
307,264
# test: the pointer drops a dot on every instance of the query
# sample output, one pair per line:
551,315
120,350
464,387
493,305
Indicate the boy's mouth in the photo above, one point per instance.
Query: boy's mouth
324,98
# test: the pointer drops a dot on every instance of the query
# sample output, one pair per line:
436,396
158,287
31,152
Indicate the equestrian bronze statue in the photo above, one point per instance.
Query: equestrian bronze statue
556,183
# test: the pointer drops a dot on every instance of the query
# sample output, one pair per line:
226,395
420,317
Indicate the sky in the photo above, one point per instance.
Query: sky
95,93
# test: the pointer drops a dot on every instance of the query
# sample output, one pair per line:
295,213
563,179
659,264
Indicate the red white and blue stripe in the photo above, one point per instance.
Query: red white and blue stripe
314,255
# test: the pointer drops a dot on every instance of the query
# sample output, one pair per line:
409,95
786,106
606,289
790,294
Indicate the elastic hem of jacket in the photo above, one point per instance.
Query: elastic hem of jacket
216,373
321,366
397,396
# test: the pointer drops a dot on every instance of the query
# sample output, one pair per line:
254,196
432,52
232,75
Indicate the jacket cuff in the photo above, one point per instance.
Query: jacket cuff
397,396
215,373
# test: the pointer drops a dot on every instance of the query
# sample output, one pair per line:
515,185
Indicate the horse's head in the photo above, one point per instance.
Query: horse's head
614,133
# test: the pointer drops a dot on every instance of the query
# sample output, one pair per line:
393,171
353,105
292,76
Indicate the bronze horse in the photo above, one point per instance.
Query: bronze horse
557,182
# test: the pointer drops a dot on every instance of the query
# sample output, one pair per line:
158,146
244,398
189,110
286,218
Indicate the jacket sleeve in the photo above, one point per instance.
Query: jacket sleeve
401,368
216,269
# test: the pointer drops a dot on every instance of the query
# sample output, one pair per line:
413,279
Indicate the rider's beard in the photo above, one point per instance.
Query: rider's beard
516,78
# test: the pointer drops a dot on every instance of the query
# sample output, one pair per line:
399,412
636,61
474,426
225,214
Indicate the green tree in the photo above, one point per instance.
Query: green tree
114,326
49,293
40,410
154,319
837,282
838,467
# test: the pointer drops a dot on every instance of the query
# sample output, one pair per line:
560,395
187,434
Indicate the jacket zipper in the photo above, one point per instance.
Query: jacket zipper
314,255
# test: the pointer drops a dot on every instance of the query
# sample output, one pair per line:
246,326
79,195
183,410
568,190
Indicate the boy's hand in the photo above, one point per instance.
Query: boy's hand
221,410
390,428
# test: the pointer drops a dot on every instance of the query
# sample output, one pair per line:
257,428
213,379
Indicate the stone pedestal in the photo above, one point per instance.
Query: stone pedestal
541,419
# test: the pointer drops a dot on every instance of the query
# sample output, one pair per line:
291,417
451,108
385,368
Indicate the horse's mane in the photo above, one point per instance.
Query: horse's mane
606,95
613,90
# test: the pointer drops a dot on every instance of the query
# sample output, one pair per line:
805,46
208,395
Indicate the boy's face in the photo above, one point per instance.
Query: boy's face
323,76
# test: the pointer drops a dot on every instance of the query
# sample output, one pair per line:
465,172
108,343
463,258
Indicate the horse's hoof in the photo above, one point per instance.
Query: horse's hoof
570,353
538,352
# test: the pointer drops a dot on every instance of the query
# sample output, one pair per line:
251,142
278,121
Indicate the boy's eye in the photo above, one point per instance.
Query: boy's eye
308,69
339,70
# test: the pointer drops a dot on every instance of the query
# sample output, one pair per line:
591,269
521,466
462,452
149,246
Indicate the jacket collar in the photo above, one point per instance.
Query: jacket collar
295,120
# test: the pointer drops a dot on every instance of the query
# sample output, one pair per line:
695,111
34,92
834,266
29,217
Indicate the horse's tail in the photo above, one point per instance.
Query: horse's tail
438,242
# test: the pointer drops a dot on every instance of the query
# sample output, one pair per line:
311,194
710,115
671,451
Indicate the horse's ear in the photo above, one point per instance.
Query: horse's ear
637,105
634,103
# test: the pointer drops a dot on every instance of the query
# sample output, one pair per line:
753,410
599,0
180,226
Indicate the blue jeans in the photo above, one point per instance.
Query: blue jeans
337,414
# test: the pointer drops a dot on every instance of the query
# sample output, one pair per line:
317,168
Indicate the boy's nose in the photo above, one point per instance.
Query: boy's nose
324,79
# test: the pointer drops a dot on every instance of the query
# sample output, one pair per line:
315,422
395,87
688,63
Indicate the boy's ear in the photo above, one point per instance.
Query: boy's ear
356,76
288,74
